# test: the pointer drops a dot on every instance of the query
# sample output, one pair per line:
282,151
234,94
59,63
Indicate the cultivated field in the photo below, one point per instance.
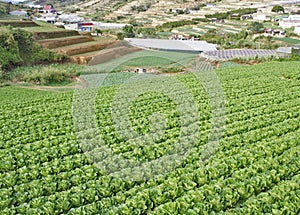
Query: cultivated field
254,169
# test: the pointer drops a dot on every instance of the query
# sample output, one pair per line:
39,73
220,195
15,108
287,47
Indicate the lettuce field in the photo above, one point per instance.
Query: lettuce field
255,169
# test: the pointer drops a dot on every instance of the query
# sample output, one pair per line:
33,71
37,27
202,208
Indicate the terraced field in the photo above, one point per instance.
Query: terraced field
254,170
81,48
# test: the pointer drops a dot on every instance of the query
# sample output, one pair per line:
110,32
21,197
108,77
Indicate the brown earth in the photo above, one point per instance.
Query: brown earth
82,48
112,53
20,24
54,34
59,42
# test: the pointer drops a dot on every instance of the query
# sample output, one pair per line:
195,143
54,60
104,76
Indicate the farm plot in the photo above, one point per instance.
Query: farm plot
238,53
144,58
255,170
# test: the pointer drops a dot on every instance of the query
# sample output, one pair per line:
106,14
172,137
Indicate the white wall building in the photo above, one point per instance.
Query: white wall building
291,21
297,30
261,17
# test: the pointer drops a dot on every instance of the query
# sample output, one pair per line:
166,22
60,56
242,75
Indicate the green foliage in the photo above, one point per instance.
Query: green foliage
172,69
18,48
176,24
278,8
201,19
146,32
8,60
45,75
256,27
255,170
120,36
228,14
141,7
128,31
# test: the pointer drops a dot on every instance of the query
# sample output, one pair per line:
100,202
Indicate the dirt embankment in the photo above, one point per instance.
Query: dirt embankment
59,42
18,24
110,54
84,48
54,34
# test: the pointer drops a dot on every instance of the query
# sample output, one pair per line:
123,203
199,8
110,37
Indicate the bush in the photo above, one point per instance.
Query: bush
49,75
172,69
45,75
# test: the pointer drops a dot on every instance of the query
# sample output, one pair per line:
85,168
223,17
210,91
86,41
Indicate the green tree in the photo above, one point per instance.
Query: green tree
128,31
278,8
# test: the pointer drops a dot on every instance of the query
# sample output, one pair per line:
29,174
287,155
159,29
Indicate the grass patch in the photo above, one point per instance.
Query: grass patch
54,75
288,40
144,58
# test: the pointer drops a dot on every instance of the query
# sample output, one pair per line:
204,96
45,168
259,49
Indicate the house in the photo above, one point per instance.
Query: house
297,30
176,10
69,18
33,6
48,9
261,17
234,15
273,32
86,26
217,20
289,22
247,16
50,18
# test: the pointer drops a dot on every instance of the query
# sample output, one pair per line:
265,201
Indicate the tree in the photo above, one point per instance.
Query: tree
278,8
128,31
120,36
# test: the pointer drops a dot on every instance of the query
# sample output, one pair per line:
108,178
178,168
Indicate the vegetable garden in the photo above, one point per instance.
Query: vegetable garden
255,169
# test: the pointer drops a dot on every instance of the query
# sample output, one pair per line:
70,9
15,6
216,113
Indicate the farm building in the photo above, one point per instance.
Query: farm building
86,26
173,45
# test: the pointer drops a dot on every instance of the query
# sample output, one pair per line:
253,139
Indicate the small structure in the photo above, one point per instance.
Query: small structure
180,37
176,10
86,26
273,32
296,49
140,70
217,20
246,16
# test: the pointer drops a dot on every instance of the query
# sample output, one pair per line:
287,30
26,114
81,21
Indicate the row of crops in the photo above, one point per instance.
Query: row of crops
46,169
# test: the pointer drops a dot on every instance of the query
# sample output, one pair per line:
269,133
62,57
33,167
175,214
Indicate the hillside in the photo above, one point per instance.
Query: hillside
254,169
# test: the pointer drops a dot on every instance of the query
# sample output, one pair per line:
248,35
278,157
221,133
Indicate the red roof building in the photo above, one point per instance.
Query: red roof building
49,9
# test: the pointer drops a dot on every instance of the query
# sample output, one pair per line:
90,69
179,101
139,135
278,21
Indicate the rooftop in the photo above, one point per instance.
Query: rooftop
173,45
